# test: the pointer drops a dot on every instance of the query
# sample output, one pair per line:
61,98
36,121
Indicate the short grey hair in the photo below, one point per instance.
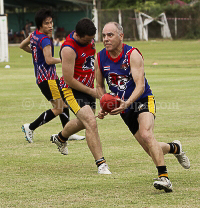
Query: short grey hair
118,26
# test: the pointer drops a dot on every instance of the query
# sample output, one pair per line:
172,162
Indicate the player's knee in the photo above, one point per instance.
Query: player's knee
87,117
92,124
89,122
147,136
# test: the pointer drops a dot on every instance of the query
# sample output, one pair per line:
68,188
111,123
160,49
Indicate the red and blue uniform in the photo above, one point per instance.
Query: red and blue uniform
118,74
43,71
84,63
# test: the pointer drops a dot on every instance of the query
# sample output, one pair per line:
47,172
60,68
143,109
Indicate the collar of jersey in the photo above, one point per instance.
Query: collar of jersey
118,58
39,33
71,36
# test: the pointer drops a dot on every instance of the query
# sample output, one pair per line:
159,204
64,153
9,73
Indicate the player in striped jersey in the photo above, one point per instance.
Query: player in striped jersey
42,49
77,54
123,68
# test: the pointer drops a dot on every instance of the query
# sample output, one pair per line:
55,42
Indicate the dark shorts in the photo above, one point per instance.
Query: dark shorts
130,118
76,99
50,89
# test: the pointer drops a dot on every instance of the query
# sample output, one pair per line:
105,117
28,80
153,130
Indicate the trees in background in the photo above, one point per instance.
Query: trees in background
105,4
186,19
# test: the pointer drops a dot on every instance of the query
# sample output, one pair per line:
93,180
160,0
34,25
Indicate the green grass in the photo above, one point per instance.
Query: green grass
37,175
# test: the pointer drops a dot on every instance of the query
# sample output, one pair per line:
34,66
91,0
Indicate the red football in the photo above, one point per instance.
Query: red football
108,102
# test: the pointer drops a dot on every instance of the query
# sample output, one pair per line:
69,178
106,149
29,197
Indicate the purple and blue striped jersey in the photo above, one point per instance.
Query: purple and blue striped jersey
118,75
43,71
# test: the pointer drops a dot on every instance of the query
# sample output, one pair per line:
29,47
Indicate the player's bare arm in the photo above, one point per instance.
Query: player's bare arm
100,85
25,45
68,63
137,71
48,56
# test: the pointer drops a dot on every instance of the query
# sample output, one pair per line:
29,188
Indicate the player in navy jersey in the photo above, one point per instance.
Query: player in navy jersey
42,49
123,68
77,54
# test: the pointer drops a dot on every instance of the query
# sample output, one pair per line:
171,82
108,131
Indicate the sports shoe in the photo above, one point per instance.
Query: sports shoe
181,157
104,169
163,183
62,147
28,133
76,137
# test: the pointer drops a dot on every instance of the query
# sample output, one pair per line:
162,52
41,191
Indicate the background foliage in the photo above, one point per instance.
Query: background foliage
188,28
133,4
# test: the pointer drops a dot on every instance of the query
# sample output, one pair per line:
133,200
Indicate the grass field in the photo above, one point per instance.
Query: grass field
37,175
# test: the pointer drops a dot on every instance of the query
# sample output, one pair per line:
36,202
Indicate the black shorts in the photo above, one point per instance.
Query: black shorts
50,89
130,118
76,99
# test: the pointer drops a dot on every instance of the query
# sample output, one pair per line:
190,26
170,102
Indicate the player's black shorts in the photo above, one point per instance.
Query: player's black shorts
76,99
130,118
50,89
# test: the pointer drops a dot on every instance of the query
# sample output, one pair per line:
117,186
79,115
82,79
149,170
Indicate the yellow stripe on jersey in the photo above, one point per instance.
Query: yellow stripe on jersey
54,89
151,104
69,96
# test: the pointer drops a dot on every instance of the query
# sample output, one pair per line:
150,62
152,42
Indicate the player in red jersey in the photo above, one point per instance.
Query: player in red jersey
77,54
42,50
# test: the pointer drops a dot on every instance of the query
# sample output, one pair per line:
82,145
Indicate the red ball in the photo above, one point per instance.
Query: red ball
108,102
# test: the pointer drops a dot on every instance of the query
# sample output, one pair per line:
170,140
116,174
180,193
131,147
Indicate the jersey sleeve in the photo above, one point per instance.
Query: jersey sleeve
70,45
129,54
45,42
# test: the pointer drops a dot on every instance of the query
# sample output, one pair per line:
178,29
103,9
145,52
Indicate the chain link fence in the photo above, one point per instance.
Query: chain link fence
182,23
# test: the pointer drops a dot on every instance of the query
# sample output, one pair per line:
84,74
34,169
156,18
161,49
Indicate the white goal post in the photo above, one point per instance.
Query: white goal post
3,35
3,39
95,19
143,20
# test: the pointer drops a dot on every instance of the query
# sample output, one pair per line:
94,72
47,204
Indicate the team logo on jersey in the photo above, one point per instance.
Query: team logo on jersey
119,81
83,55
124,66
89,63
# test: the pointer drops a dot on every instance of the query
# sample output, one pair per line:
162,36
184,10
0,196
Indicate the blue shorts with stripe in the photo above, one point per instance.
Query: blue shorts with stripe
130,118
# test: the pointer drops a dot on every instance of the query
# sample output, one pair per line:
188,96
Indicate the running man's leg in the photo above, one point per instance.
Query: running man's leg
83,107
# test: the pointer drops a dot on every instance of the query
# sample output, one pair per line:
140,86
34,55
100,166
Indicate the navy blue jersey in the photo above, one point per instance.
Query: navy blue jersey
43,71
118,75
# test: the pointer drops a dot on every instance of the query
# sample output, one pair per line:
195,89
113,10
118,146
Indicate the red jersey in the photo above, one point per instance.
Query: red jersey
84,63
